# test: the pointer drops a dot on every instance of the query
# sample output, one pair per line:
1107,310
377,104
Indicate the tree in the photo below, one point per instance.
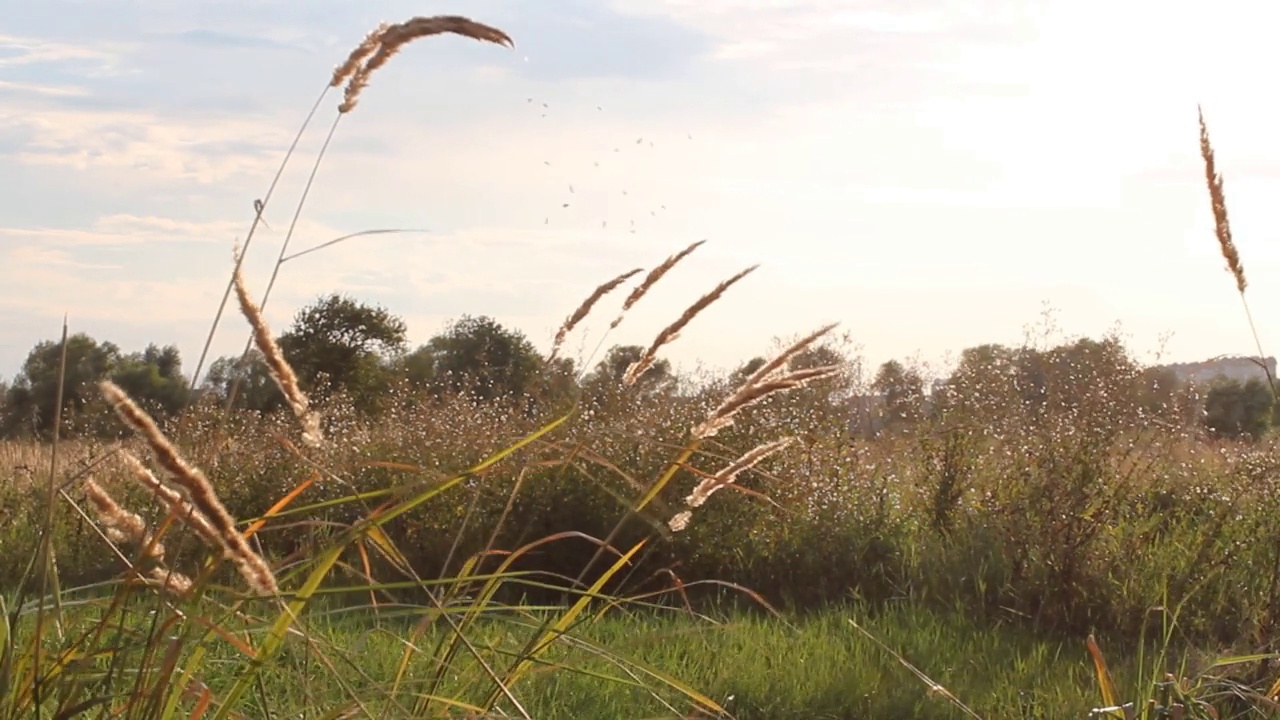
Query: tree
902,391
982,382
418,367
1239,410
480,356
747,369
607,375
255,389
31,400
153,378
337,343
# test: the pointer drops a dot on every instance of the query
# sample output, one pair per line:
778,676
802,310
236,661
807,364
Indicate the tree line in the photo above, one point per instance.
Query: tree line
337,344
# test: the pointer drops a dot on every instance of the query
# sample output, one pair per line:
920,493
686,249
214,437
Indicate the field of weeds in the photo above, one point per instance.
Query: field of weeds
1055,534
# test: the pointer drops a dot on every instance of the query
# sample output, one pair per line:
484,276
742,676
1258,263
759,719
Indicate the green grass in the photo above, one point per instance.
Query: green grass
756,665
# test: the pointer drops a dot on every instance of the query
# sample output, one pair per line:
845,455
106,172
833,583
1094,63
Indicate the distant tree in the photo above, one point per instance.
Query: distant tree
747,369
557,384
337,343
1159,392
153,378
1239,410
903,393
417,367
982,382
255,389
608,374
480,356
31,400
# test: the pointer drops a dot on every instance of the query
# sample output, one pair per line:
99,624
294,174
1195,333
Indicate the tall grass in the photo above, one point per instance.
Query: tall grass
146,642
446,557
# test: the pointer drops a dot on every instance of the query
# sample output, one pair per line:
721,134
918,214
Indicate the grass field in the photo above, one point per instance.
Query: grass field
755,665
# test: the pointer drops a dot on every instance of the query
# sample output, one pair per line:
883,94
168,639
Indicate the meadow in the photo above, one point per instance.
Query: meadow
1050,532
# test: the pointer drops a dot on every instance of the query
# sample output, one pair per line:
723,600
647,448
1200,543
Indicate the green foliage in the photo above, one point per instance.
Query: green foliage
903,393
154,379
607,376
480,356
1239,410
30,402
337,343
250,380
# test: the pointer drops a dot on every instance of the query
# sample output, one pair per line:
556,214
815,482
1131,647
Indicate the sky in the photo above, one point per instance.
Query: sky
932,174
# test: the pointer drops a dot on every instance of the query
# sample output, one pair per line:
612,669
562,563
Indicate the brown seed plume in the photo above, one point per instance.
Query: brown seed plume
730,474
122,526
785,356
751,393
279,368
672,331
1218,200
252,567
572,321
651,279
393,37
366,47
174,501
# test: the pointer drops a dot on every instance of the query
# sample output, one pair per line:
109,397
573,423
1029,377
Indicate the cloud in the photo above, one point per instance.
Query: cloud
218,39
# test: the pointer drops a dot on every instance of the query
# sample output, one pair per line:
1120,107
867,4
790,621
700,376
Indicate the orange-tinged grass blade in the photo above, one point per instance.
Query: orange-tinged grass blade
276,633
230,639
1108,690
279,505
202,704
1274,690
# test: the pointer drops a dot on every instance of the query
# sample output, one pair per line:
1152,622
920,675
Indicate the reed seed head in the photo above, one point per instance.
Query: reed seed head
652,279
578,315
1218,201
277,366
751,393
730,473
123,526
379,46
672,331
252,567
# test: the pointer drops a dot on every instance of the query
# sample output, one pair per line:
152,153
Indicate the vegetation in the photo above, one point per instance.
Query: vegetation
335,525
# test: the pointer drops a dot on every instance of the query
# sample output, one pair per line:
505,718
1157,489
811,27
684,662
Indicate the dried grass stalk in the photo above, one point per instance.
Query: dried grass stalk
123,526
751,393
730,473
175,502
652,279
392,38
672,331
199,490
280,370
578,315
680,521
1218,200
366,47
785,356
171,580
